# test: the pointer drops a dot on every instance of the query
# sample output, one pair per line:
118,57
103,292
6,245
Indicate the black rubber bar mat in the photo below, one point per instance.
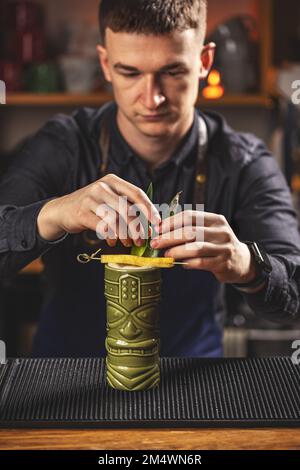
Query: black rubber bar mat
192,392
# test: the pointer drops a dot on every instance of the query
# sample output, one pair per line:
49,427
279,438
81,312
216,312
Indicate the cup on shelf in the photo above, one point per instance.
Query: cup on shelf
79,73
42,78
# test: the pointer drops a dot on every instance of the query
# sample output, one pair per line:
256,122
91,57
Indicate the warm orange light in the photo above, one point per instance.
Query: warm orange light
214,90
296,183
214,78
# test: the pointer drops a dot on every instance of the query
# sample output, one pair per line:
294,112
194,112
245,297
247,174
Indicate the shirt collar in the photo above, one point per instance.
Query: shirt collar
122,153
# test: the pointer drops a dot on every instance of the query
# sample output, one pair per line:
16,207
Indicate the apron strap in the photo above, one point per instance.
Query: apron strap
201,165
104,141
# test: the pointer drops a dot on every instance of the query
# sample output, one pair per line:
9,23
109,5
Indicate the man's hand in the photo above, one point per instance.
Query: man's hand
218,251
97,207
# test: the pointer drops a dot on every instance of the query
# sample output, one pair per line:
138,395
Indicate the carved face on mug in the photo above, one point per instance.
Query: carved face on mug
131,333
132,320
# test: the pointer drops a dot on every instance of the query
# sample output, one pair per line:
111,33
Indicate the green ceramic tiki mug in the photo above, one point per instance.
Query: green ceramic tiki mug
132,342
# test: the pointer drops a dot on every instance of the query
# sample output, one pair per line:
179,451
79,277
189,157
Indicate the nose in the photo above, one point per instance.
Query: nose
130,331
152,96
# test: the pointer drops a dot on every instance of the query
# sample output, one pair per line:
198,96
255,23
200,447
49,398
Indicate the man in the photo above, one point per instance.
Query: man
153,54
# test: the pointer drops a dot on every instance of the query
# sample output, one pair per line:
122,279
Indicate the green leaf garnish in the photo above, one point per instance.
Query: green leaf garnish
150,192
150,252
138,250
174,204
146,250
141,250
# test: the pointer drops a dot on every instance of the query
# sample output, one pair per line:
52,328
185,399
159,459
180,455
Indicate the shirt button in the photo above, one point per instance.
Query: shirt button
24,243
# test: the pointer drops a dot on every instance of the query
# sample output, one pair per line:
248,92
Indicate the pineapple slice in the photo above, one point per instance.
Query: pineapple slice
138,261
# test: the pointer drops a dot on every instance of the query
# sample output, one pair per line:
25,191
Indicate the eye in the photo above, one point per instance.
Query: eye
174,74
115,316
130,74
147,316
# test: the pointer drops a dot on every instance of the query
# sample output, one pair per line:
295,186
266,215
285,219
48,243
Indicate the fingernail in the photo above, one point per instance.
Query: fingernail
154,243
156,219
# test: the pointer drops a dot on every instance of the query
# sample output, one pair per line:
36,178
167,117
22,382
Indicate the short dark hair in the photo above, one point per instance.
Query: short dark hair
152,16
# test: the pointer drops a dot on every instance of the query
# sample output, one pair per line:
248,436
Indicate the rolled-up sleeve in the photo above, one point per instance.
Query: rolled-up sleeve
265,214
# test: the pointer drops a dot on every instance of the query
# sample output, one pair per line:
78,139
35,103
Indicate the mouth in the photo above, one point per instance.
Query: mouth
132,352
143,348
155,117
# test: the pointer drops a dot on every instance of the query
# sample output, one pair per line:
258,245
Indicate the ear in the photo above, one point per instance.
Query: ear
207,59
103,60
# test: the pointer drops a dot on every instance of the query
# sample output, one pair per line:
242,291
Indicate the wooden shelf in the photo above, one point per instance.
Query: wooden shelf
239,100
97,99
57,99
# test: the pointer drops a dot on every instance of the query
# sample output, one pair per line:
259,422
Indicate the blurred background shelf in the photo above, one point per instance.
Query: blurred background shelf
264,101
97,99
58,99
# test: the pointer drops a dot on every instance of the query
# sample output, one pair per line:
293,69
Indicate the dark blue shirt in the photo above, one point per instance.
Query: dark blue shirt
244,184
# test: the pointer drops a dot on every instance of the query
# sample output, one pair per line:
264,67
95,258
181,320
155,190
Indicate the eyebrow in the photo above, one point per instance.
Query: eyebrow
129,68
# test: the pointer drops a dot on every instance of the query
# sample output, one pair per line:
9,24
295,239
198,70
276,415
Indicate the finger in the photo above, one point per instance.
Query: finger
189,234
195,250
116,223
187,218
121,210
123,232
90,222
131,221
110,225
177,237
112,243
120,206
205,264
106,232
215,235
89,209
136,196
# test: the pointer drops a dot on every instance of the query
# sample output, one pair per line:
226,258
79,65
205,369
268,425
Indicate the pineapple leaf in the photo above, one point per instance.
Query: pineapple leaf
174,204
150,191
146,249
140,250
151,253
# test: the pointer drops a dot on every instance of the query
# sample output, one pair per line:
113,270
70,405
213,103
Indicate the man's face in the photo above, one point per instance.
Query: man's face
155,79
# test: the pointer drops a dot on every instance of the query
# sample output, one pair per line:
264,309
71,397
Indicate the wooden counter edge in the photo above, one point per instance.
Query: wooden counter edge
158,439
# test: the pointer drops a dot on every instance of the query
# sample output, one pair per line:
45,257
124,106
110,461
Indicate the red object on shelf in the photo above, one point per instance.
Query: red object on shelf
24,32
26,46
11,74
23,15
